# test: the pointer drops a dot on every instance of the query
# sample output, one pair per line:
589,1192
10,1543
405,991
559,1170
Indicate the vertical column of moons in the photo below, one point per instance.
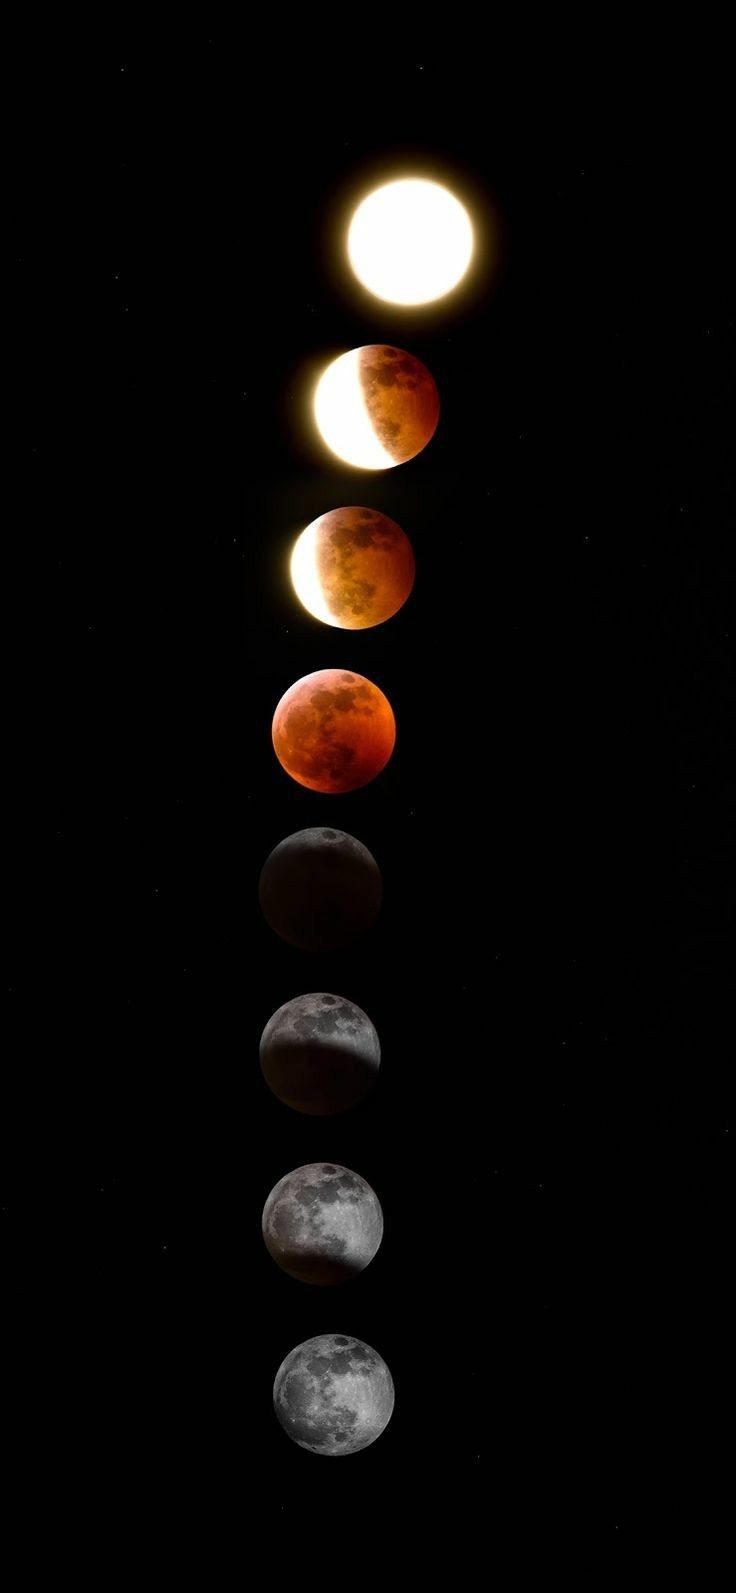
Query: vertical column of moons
334,732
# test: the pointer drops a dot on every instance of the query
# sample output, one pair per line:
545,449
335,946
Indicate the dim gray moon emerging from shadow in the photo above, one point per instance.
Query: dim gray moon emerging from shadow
322,1223
320,1054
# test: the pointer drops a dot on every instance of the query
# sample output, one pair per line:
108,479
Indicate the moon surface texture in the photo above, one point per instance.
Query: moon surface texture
319,889
322,1223
410,241
320,1054
376,406
352,568
333,1395
333,731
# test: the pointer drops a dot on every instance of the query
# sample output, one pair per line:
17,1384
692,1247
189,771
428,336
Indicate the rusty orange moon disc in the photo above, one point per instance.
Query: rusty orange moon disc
333,731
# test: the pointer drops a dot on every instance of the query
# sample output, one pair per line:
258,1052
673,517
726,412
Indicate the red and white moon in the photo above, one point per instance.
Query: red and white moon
376,406
352,568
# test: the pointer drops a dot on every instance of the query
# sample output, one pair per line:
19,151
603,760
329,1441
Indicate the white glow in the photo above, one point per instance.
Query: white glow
342,415
305,576
410,242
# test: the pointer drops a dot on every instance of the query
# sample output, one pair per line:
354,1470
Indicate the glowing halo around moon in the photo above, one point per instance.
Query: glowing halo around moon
352,568
376,406
410,242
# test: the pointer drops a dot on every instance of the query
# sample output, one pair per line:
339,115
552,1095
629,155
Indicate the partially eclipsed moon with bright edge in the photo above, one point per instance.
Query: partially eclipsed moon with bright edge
410,242
352,568
376,406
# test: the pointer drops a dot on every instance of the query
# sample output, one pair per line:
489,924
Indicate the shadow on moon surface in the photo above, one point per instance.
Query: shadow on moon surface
320,1054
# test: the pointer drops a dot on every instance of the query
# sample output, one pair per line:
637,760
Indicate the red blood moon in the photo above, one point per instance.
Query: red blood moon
333,731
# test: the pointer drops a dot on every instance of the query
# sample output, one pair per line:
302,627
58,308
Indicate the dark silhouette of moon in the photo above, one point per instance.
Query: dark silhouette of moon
353,568
333,731
333,1395
320,1054
322,1223
319,889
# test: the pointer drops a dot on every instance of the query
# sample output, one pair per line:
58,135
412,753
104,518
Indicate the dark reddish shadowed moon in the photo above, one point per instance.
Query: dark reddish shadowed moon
353,568
319,889
333,731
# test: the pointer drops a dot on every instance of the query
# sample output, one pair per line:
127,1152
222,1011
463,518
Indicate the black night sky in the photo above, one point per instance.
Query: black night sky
549,975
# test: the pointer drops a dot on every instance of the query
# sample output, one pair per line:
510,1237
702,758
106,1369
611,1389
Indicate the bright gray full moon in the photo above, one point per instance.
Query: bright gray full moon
333,1395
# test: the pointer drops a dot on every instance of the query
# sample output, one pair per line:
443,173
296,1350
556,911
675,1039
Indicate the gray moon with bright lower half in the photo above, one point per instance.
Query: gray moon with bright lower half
322,1223
319,889
333,1395
320,1054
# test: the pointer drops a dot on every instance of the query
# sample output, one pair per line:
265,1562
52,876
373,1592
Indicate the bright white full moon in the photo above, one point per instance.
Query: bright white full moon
410,242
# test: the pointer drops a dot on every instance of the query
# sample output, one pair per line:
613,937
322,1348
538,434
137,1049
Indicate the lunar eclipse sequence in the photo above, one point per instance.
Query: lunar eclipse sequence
375,408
